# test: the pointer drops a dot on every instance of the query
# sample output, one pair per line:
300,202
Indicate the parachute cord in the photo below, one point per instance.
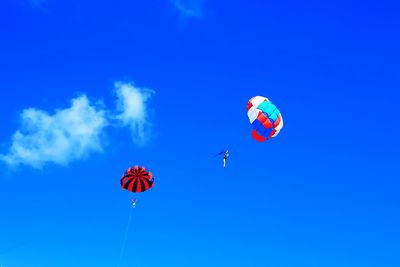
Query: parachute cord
125,238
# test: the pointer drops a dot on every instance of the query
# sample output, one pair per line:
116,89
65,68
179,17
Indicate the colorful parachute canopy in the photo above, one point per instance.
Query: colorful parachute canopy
137,179
265,118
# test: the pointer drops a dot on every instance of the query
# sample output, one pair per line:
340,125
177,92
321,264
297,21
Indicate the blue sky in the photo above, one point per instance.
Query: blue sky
90,88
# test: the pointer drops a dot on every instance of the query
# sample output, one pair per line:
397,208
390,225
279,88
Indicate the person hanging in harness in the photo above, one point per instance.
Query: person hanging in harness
226,155
134,202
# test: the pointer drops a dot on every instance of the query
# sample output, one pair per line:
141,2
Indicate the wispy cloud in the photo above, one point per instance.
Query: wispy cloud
133,110
75,132
189,8
68,134
40,4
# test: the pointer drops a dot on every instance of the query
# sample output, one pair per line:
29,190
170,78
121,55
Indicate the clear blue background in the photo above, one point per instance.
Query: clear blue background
324,193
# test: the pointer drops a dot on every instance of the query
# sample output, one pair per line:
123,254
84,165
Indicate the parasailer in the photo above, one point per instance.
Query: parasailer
137,179
226,156
265,118
134,202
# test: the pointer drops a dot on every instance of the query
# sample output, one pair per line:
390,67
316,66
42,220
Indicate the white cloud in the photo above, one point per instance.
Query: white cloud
132,110
68,134
189,8
37,2
77,131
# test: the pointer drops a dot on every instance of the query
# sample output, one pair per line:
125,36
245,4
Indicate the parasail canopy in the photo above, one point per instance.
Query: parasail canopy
264,117
137,179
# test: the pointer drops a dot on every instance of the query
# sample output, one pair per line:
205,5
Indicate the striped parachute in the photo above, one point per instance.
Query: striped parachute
137,179
265,118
